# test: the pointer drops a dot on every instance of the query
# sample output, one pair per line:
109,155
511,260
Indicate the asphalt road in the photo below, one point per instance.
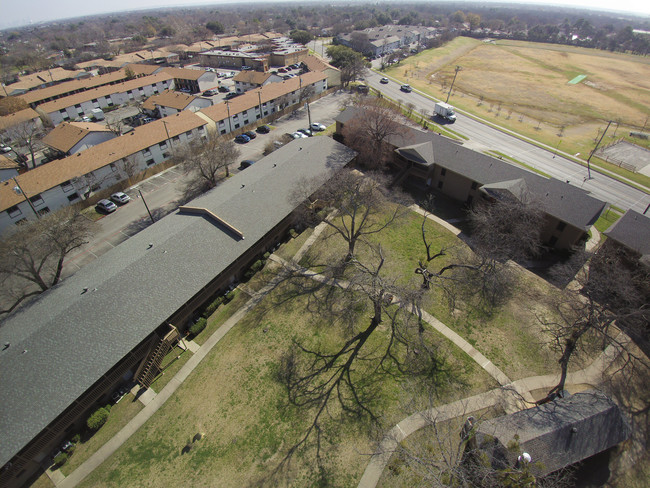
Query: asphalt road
483,137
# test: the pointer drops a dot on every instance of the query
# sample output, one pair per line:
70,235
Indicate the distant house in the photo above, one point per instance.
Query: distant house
42,79
433,162
247,80
72,137
192,80
556,434
12,120
170,102
142,57
318,64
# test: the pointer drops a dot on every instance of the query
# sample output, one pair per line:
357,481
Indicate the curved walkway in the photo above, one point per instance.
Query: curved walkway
592,375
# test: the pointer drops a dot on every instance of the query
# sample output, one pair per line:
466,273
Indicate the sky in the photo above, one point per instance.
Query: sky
17,13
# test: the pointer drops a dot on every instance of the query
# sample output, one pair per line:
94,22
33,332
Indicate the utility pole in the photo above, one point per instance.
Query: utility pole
259,98
19,191
147,207
592,152
458,68
168,138
229,123
556,148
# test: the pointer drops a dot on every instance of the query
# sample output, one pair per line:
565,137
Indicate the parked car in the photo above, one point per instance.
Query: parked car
246,68
251,135
224,89
230,96
263,129
406,88
384,81
307,132
105,206
246,163
120,198
282,70
210,93
242,139
363,89
317,127
4,149
298,135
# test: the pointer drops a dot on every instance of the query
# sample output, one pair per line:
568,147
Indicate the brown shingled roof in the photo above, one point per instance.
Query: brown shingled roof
267,93
184,74
255,77
19,117
53,75
142,69
72,86
168,99
54,173
102,91
6,163
64,136
315,63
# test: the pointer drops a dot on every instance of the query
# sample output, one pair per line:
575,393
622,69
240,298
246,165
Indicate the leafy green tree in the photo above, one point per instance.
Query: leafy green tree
301,36
351,63
215,26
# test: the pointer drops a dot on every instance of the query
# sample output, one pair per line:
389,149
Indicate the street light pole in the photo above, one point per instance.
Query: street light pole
168,138
458,68
595,149
556,147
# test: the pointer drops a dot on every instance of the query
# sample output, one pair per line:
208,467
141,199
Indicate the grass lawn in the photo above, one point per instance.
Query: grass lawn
120,415
43,481
171,364
543,106
222,314
235,399
607,219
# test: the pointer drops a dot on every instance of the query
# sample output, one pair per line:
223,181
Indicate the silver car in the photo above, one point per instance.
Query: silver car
120,198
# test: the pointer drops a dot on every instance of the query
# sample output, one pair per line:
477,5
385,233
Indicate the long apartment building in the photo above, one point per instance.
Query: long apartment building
83,103
67,181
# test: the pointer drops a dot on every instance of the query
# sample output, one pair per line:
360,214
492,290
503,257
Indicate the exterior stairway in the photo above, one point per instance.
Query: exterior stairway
152,366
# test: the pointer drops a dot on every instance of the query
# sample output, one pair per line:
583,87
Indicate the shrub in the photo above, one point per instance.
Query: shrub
199,326
60,459
229,296
210,309
266,256
76,438
293,233
97,419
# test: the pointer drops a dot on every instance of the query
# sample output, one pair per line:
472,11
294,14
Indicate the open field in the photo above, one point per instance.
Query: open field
524,87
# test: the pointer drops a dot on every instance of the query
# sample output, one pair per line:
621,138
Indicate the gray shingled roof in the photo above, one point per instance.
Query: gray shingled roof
66,340
632,230
568,203
559,433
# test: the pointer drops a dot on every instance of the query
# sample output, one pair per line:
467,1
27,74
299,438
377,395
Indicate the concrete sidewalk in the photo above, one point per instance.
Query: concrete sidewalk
591,375
79,474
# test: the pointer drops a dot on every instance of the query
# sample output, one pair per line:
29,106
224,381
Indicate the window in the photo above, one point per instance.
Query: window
561,226
14,211
474,185
443,171
36,200
440,184
21,221
94,101
77,106
66,186
150,162
236,126
162,145
223,131
73,197
146,153
44,210
176,139
113,167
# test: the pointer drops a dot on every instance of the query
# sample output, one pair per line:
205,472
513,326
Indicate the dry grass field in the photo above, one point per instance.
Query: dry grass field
524,87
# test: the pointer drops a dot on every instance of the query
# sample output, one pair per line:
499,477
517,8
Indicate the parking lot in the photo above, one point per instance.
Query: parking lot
162,192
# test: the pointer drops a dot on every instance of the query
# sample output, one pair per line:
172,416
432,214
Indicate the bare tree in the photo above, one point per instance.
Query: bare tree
603,294
360,203
27,135
33,257
208,160
370,131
